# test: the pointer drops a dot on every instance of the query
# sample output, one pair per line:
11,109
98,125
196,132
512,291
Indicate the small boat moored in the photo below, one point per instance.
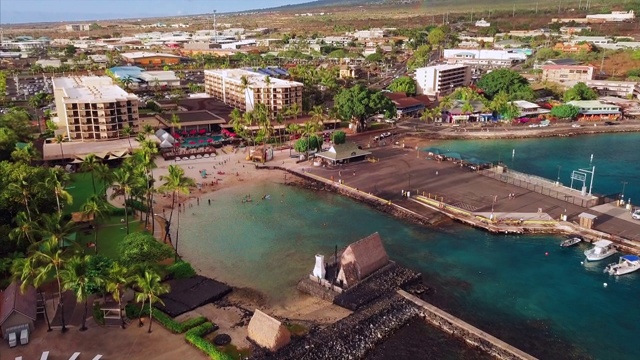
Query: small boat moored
571,241
602,249
627,264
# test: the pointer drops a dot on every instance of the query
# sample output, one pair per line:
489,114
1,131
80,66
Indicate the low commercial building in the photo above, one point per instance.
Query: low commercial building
615,88
343,153
141,79
18,310
442,79
150,59
529,109
484,58
243,89
562,73
92,108
595,110
573,47
78,27
595,40
615,16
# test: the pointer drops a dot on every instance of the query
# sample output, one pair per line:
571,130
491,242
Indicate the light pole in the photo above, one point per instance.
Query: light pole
558,179
624,184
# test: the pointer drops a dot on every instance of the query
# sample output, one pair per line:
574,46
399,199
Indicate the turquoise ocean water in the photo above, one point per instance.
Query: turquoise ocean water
524,289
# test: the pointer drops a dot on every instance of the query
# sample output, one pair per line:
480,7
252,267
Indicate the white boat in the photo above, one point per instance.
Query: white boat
571,240
602,249
627,264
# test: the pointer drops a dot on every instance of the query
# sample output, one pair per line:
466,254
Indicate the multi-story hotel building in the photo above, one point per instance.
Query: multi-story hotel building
92,108
442,79
243,89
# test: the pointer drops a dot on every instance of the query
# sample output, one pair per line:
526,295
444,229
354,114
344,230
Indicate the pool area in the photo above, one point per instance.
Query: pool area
199,141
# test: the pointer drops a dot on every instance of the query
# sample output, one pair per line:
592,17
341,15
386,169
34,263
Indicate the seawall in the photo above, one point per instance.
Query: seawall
472,335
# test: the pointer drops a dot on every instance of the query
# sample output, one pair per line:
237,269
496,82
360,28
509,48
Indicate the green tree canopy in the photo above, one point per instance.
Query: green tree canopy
420,57
403,84
375,57
339,137
360,103
507,81
580,91
139,248
565,111
436,36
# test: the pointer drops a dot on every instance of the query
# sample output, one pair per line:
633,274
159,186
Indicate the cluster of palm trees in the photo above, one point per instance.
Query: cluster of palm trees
500,104
53,256
50,260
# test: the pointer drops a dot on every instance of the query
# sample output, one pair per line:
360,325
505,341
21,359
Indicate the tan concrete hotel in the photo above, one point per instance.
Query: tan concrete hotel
92,108
277,94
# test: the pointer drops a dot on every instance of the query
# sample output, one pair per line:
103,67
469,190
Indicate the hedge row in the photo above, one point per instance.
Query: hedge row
181,270
165,320
196,338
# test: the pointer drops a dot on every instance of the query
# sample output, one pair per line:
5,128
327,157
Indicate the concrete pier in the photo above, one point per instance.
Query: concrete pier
466,331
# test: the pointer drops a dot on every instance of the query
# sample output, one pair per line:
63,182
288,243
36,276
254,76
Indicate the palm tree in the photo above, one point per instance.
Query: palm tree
245,86
24,189
150,288
127,131
295,110
317,114
54,227
429,115
116,281
104,175
122,185
175,182
292,129
95,208
26,271
248,119
48,258
58,187
90,163
267,82
59,139
147,129
126,82
24,230
334,115
174,122
309,128
75,276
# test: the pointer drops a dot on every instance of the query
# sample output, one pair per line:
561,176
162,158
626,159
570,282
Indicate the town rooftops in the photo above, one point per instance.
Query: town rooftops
565,61
199,117
444,67
525,104
90,89
587,104
13,300
254,78
570,67
144,54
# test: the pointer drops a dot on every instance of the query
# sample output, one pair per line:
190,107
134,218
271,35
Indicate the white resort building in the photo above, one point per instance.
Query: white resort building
243,89
442,79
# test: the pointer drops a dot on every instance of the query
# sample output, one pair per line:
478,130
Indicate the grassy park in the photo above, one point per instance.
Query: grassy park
111,230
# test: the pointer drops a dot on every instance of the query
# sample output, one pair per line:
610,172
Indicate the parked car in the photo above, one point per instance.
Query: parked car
636,215
576,125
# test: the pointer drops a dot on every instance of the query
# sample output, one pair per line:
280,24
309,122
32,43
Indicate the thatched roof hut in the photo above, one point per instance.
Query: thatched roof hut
268,332
361,259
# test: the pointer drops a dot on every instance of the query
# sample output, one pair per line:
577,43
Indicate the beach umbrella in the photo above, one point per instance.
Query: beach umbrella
209,140
202,131
192,142
201,141
192,132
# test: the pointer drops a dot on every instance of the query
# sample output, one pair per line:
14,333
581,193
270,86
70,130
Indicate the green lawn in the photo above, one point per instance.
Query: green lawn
80,189
110,229
110,234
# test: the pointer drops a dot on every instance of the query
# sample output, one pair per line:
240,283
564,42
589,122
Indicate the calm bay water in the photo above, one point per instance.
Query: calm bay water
524,289
615,156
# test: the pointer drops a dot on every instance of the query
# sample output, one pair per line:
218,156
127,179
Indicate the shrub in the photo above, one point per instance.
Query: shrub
181,270
195,338
98,315
136,205
132,311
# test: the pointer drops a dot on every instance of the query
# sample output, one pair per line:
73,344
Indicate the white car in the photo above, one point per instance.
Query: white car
636,215
576,126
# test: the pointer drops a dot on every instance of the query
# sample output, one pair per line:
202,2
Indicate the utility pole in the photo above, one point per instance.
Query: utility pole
514,11
536,8
215,28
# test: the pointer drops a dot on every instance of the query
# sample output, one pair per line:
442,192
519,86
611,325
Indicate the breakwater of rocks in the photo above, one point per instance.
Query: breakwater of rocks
385,280
353,336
